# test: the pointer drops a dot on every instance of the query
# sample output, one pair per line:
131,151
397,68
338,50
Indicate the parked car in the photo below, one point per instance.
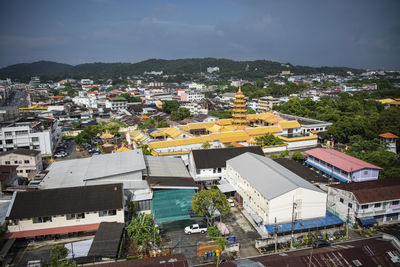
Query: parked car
195,228
321,244
231,202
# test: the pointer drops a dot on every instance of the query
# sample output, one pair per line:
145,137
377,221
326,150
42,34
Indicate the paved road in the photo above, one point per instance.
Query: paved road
182,243
244,232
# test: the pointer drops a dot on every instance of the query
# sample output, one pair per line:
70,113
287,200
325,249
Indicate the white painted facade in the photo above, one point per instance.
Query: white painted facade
309,204
205,175
64,220
22,136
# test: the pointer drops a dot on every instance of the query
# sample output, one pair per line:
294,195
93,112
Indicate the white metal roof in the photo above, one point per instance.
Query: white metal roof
166,167
268,177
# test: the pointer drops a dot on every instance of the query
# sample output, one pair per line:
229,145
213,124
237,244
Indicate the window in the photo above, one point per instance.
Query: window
112,212
341,200
28,171
198,171
80,216
70,216
377,205
365,172
219,170
7,162
15,161
26,161
41,219
396,202
35,139
102,213
8,134
9,141
350,205
364,207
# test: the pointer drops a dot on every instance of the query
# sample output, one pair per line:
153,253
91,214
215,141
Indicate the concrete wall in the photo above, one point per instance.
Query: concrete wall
35,164
61,221
309,204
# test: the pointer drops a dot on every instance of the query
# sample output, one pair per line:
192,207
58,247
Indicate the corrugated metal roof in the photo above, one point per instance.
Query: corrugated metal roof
166,167
340,160
373,191
115,163
270,178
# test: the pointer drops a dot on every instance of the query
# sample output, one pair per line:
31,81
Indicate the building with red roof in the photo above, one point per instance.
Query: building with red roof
341,166
389,140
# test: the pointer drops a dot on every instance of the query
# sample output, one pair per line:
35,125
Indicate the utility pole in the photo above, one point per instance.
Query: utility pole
347,223
276,236
293,219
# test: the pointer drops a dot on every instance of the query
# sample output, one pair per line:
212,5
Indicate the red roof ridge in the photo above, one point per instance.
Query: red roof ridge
388,135
340,160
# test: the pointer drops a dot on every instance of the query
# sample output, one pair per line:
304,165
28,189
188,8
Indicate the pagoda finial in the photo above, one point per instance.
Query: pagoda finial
240,87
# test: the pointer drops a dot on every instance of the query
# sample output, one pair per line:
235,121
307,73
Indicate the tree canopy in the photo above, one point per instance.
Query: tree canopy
269,140
206,202
180,114
170,106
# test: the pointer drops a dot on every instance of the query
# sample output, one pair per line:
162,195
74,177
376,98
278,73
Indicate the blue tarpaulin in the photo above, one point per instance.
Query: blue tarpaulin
368,221
328,220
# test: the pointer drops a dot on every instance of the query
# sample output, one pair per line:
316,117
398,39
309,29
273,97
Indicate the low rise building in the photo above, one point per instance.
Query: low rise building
64,210
389,140
272,193
209,165
29,162
117,103
266,104
367,202
341,166
31,133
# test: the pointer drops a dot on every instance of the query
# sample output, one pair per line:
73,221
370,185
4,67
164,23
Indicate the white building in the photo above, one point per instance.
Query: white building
195,108
117,103
367,202
212,69
86,81
192,96
29,161
389,140
64,210
270,192
209,165
37,134
266,103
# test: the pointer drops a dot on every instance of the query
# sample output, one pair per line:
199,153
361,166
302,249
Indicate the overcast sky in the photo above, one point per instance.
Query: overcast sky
360,33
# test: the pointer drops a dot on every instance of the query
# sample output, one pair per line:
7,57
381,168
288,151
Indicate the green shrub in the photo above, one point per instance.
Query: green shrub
284,154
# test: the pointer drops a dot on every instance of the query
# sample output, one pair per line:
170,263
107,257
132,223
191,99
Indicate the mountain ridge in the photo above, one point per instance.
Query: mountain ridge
228,67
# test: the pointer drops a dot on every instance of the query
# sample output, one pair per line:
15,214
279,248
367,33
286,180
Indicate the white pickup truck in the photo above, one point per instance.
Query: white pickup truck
194,229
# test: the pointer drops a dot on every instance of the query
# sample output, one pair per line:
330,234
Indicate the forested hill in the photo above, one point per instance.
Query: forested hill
228,68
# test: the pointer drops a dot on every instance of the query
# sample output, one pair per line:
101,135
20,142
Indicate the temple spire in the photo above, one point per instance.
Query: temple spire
239,108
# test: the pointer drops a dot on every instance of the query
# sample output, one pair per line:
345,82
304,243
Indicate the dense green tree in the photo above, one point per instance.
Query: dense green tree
130,98
170,106
57,253
221,114
142,230
298,156
206,202
180,114
162,124
269,140
147,124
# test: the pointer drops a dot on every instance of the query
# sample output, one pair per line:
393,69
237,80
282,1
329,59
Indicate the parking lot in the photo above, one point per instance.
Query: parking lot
187,244
182,243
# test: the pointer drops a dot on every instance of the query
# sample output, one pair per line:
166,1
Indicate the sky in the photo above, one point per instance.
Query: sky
352,33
